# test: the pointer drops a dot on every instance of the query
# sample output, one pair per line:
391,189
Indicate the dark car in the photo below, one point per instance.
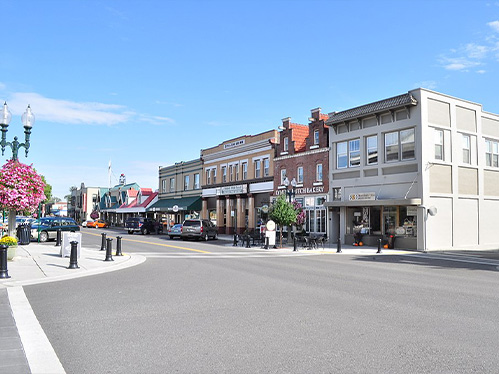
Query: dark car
143,225
198,229
46,227
175,231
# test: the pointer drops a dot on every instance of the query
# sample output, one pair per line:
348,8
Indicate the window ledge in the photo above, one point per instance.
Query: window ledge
315,146
318,184
284,153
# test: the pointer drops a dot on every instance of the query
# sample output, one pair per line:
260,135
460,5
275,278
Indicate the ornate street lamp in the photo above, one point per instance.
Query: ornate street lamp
28,119
290,192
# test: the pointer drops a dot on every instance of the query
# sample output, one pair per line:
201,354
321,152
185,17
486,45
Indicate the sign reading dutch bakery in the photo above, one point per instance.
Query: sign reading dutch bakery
302,190
362,196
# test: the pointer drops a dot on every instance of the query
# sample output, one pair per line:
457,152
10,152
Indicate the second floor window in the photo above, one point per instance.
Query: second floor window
400,145
236,166
172,184
196,181
245,170
341,155
466,149
299,174
186,182
316,137
372,149
286,145
214,174
492,153
224,174
318,173
266,167
231,172
439,144
258,166
163,186
283,176
208,176
354,153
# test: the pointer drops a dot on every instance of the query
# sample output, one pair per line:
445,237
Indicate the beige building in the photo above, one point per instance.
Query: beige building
422,166
237,182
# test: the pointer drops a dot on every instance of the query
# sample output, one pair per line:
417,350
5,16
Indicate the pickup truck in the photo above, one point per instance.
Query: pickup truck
143,225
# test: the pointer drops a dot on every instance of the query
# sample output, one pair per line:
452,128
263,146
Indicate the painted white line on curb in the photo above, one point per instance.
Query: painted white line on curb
39,352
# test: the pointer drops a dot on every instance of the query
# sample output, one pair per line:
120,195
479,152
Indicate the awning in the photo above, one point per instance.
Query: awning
386,202
176,205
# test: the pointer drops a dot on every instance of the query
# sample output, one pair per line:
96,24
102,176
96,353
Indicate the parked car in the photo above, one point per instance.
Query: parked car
47,227
198,229
24,220
98,224
85,223
143,225
175,231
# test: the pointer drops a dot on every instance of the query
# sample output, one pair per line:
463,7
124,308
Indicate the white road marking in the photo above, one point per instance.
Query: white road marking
39,352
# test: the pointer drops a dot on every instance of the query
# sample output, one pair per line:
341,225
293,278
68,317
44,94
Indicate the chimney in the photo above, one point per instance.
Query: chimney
285,122
316,114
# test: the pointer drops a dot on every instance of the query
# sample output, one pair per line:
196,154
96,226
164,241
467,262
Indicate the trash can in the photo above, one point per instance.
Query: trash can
24,234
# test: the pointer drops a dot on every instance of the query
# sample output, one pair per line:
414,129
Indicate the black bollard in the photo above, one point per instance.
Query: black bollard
118,246
294,245
338,248
235,241
109,250
4,273
103,243
379,246
58,238
267,242
248,245
73,259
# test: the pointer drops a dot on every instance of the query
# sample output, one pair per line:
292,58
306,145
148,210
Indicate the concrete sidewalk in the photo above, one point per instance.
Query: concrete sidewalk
24,347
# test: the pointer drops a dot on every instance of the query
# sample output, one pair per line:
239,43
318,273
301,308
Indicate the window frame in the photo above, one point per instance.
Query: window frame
466,145
258,168
299,174
196,181
224,174
244,170
342,154
283,176
439,133
370,148
172,184
266,167
186,182
316,137
285,145
317,173
491,153
353,152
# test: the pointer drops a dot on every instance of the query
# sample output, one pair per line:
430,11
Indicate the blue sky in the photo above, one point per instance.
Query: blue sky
149,83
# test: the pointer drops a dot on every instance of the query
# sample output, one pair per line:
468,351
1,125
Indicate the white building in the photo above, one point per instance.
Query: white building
422,166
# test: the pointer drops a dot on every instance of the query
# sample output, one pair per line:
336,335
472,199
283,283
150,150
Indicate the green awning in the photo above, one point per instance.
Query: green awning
176,205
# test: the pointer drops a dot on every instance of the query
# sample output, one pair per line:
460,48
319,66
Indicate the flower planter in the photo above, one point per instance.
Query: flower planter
11,252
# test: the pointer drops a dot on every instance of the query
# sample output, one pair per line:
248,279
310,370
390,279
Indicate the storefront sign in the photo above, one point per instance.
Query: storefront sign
176,208
231,190
362,196
234,144
302,191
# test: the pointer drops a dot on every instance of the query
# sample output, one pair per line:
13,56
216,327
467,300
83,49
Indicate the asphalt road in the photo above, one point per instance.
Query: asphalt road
230,311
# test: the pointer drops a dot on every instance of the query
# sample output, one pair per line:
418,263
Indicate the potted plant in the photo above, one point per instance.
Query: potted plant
12,243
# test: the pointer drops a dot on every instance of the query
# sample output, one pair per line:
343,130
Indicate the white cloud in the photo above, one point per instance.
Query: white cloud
476,51
458,63
494,25
481,71
2,86
72,112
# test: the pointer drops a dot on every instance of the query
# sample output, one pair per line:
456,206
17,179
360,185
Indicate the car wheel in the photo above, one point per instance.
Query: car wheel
44,236
130,232
145,231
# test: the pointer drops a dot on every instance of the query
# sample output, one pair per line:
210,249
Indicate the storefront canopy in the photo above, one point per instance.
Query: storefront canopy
176,205
373,202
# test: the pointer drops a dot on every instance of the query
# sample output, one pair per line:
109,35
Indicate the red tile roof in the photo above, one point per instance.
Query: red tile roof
299,136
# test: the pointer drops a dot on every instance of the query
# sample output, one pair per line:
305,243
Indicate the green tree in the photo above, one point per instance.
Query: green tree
282,213
47,191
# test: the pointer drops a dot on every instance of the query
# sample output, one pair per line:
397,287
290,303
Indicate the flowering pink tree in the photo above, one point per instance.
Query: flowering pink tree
21,189
300,213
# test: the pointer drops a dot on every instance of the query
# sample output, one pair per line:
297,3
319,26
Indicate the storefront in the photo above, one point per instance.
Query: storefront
364,219
172,211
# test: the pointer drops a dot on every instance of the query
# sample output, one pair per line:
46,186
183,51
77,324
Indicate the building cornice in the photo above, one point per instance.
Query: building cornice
301,154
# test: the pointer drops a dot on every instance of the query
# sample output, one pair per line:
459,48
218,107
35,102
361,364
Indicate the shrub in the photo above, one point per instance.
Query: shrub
8,240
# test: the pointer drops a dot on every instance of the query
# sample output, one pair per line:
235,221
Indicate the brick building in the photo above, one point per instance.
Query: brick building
302,156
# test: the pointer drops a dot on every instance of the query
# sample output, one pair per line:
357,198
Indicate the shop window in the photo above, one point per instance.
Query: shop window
299,174
466,149
439,144
372,149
